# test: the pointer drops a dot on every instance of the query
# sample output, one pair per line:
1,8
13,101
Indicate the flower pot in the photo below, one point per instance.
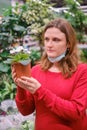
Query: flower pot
22,70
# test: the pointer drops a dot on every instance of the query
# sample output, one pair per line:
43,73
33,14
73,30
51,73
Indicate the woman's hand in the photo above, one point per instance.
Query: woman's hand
30,84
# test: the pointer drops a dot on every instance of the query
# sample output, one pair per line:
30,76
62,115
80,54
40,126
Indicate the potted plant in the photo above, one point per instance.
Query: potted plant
20,58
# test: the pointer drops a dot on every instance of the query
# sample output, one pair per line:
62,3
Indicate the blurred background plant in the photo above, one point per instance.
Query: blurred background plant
4,4
19,20
83,55
77,18
7,89
27,125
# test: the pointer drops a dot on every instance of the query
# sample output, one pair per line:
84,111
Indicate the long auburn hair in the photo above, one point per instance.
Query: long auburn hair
67,65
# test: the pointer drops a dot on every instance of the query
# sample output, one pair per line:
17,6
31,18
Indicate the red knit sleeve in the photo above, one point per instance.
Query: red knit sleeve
69,109
24,101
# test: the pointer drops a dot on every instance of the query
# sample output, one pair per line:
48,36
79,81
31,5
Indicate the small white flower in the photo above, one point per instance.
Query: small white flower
77,3
26,51
12,51
65,11
20,48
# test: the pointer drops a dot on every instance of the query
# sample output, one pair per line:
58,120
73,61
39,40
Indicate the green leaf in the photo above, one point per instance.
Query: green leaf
19,28
8,61
3,67
4,54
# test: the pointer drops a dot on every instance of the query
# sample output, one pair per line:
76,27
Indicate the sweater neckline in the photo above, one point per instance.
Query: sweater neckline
55,73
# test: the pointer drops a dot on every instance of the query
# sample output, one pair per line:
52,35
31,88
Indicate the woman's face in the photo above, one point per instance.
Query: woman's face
54,42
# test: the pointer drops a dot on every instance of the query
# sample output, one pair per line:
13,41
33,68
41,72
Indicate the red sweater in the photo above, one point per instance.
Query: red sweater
60,103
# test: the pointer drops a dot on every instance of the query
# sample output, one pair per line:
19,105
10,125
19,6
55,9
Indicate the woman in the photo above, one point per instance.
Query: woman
57,88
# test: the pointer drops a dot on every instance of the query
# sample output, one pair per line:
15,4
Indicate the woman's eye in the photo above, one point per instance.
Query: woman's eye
46,39
56,39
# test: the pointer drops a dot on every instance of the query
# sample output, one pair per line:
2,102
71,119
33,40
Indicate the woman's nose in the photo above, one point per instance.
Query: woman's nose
49,43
